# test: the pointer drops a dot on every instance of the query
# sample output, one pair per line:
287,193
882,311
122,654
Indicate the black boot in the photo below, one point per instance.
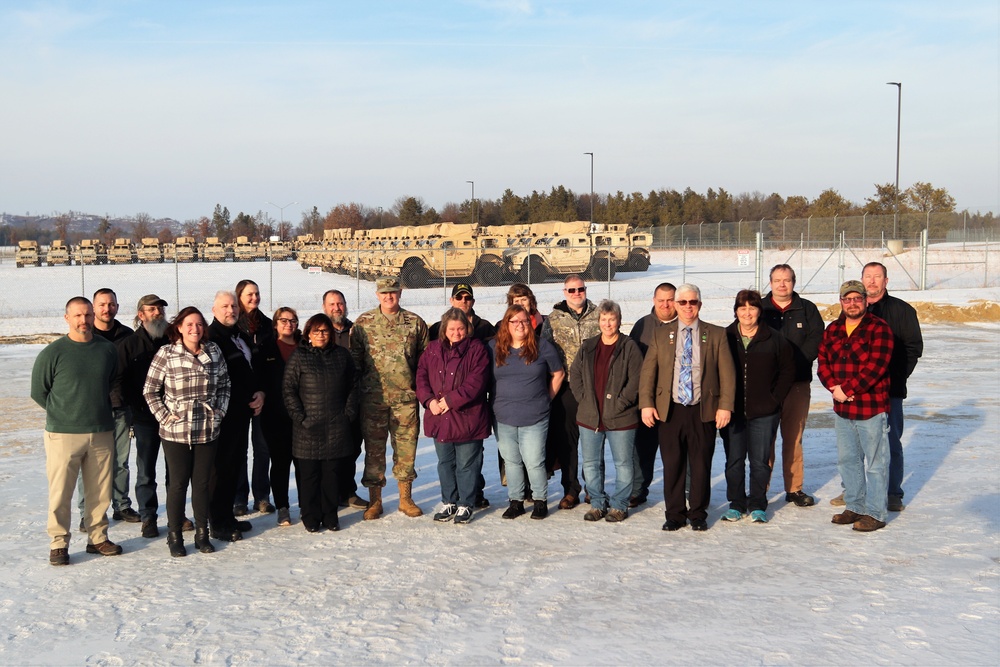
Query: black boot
175,541
201,541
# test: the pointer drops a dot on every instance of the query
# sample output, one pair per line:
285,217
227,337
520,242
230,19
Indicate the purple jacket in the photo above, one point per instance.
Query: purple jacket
460,374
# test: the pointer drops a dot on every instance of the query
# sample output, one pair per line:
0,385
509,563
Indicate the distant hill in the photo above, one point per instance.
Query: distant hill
43,228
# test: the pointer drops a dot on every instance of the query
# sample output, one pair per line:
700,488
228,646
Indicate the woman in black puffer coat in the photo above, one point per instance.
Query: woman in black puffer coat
320,395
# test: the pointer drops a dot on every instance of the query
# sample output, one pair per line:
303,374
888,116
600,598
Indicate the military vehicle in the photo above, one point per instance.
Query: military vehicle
58,254
185,249
243,250
122,251
90,251
27,254
212,250
149,251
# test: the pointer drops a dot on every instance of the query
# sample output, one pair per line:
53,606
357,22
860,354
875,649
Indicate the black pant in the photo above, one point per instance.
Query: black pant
347,485
279,444
647,445
563,441
188,463
319,482
685,440
259,480
226,473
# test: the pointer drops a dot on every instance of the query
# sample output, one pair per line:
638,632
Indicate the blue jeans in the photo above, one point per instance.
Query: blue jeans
895,447
622,445
119,473
863,460
459,467
524,445
147,451
751,439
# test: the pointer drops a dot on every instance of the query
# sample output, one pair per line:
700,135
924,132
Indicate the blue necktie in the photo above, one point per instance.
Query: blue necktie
685,389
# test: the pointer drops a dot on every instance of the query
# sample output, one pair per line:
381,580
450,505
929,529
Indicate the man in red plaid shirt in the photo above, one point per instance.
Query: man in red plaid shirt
854,366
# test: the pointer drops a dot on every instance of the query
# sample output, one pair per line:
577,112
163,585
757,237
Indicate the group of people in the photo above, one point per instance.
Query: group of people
549,387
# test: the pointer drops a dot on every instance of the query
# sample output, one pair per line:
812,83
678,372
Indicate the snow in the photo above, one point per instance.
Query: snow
798,590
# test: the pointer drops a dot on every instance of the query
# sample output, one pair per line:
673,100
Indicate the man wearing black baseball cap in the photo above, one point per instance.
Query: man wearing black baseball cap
463,299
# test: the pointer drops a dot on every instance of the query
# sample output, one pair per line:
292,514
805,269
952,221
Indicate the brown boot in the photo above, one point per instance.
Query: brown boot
406,505
374,510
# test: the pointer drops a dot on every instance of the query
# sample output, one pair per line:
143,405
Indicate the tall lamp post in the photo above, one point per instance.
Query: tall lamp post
281,209
591,188
899,116
473,201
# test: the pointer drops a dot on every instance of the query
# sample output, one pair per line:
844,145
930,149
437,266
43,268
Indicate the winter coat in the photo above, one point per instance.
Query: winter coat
621,393
188,394
245,381
642,331
461,375
859,363
908,343
135,354
271,368
802,326
117,334
320,394
765,371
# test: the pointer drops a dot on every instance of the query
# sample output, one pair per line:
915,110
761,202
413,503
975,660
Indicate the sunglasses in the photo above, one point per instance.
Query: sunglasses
463,297
687,302
576,290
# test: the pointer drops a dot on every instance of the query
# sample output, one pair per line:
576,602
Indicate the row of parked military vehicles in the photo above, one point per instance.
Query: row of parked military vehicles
150,251
429,254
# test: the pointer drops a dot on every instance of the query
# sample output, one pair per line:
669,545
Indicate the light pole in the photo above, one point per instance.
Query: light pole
380,226
899,117
473,201
591,188
281,209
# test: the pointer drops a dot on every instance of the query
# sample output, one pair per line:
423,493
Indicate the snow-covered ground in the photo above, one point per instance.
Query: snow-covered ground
798,590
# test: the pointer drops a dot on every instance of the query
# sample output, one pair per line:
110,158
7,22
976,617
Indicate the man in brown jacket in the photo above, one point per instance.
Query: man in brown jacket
686,390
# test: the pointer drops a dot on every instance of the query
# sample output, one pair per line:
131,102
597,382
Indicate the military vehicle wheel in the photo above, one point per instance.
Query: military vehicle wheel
414,274
19,263
600,270
489,274
637,261
538,271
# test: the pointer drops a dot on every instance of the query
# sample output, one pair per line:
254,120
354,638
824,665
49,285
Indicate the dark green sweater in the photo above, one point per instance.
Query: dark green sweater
72,382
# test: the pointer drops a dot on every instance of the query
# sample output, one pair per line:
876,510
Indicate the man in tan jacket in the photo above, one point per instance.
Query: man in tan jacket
686,390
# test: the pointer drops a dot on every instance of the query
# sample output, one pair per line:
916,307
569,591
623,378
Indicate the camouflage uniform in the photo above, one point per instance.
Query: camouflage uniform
386,350
568,330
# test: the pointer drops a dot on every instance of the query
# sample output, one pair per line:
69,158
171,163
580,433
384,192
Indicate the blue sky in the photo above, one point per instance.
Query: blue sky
168,108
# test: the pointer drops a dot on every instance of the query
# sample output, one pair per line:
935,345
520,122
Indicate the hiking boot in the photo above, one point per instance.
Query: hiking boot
201,541
244,526
447,513
284,517
240,510
800,498
175,542
568,502
105,548
149,529
406,504
838,501
896,504
226,535
845,518
515,510
356,502
264,507
59,557
463,515
482,502
758,516
635,501
595,514
616,516
128,515
541,510
374,509
732,514
867,524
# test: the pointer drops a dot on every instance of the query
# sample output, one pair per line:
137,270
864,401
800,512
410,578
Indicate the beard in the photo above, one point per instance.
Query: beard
156,328
339,320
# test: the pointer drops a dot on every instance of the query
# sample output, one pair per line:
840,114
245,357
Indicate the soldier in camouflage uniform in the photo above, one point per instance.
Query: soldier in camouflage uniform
386,343
571,322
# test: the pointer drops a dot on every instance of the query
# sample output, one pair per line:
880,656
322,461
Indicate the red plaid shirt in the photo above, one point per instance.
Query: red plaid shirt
859,363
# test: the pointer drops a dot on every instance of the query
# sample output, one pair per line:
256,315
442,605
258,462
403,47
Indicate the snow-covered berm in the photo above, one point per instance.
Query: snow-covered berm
798,590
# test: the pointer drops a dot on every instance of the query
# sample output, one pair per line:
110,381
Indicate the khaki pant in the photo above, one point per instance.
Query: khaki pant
794,411
66,456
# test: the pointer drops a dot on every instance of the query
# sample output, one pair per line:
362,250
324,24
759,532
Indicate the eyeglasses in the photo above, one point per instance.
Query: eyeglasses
319,332
852,299
463,297
518,323
287,320
574,290
687,302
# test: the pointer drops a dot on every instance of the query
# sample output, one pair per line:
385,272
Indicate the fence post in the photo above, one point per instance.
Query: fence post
986,264
864,220
270,277
83,274
357,271
808,228
841,263
923,260
177,281
759,260
684,264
